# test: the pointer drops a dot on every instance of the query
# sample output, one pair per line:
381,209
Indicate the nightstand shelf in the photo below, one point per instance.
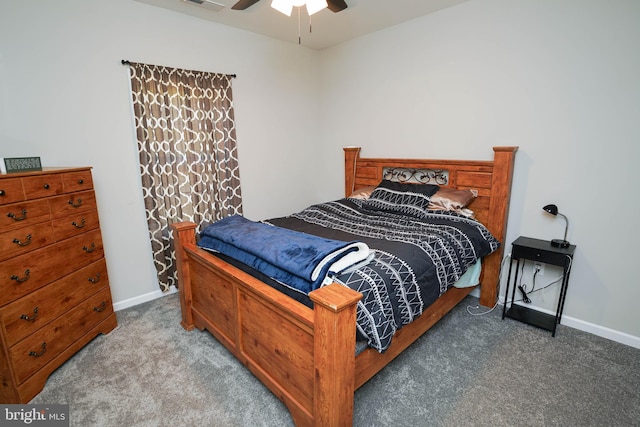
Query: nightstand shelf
526,248
531,317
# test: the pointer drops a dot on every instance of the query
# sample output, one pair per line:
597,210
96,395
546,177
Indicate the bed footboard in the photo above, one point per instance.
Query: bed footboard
297,352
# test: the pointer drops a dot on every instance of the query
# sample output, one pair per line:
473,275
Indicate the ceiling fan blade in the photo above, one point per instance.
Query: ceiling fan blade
336,5
244,4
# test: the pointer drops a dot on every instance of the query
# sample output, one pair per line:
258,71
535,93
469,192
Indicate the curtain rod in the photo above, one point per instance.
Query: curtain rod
126,62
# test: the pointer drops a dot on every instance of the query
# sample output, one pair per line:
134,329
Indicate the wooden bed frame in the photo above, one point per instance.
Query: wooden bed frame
306,357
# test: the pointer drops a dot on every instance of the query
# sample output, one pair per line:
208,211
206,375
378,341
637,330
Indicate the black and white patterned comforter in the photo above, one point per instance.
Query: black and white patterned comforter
417,255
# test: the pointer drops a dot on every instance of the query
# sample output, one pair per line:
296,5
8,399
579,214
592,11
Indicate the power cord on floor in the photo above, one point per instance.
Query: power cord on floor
469,307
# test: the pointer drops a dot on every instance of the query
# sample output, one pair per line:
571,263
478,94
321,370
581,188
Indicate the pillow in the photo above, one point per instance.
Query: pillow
426,190
397,197
451,199
362,193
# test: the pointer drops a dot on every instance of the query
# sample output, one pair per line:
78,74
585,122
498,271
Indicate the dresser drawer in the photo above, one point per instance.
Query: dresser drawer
23,317
36,187
42,346
79,223
26,273
11,190
23,214
26,239
77,181
71,204
538,255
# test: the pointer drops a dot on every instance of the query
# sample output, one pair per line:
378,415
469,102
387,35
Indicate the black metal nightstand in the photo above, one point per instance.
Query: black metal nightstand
526,248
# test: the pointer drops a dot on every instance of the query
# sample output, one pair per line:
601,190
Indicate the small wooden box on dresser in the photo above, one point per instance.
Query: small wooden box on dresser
54,288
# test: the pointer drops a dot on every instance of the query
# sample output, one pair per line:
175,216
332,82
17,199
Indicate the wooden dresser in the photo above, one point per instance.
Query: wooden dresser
54,288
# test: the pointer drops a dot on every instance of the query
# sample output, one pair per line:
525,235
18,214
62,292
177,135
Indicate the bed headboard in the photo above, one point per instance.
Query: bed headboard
492,179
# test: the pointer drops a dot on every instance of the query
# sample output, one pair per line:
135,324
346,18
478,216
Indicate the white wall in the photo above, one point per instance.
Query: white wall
64,96
559,79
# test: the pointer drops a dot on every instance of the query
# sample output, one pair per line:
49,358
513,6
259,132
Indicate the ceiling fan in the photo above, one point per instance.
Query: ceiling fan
333,5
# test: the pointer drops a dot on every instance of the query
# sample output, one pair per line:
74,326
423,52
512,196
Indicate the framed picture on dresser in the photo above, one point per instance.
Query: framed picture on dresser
22,164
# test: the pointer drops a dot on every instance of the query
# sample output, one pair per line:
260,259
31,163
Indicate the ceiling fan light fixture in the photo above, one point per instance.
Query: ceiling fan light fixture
314,6
283,6
286,6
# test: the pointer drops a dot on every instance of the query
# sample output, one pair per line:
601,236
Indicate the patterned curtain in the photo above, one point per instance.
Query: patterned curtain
187,146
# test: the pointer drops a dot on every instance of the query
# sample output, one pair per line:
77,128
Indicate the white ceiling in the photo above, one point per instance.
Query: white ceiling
328,28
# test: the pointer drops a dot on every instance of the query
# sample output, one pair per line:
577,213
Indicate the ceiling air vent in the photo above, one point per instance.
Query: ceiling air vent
207,4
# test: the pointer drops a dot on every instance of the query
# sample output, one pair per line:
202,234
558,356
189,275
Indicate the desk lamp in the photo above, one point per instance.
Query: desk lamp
559,243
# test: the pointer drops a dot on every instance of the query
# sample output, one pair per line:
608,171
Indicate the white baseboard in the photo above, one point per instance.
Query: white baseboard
121,305
601,331
591,328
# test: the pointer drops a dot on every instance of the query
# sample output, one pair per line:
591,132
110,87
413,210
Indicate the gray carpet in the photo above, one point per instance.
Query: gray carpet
468,370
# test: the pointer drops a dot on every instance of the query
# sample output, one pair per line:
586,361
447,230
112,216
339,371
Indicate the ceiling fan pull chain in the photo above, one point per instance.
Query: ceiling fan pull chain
299,38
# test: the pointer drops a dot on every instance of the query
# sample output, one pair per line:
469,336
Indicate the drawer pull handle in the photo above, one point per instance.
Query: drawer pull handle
30,318
46,186
80,225
101,307
94,280
2,193
18,218
21,243
90,248
74,204
44,350
80,181
27,272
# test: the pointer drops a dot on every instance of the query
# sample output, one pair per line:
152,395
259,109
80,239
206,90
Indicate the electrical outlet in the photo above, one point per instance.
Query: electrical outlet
539,267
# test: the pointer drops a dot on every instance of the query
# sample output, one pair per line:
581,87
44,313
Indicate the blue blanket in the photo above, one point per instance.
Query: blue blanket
298,259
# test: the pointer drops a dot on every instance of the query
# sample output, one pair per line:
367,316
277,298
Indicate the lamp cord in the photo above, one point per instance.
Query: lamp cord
553,282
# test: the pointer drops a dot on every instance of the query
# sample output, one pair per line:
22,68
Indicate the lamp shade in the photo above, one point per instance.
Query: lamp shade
552,209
